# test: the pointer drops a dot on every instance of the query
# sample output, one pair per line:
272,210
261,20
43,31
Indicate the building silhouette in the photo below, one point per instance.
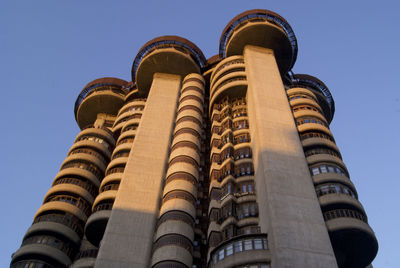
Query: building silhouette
225,162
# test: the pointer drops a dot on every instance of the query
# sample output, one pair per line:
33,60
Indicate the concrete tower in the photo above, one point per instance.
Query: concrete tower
225,162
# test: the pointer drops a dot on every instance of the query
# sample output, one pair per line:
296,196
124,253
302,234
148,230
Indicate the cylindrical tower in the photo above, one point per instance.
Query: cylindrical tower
55,235
352,238
259,48
158,70
125,126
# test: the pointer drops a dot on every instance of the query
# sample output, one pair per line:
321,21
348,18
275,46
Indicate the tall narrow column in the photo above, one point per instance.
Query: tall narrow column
128,238
288,206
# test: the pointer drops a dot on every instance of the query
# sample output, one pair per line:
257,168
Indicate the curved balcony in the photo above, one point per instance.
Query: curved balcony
324,96
264,28
315,140
36,254
81,182
241,250
353,240
97,223
227,66
90,150
85,258
104,95
228,78
51,249
132,105
333,177
47,227
66,219
103,132
170,255
292,91
31,263
71,167
85,158
234,85
63,199
113,178
72,190
185,205
165,54
340,200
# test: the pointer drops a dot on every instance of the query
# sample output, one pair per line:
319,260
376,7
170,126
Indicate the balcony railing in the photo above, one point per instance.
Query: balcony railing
89,253
67,220
96,88
341,213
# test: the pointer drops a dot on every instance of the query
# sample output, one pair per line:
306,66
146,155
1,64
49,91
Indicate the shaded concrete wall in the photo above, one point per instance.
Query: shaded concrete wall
288,206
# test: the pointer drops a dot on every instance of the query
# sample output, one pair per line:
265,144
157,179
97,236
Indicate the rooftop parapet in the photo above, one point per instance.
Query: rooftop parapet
264,28
103,95
166,54
324,95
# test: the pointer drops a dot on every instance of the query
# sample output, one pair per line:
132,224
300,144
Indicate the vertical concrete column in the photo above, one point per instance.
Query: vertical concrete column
128,238
288,206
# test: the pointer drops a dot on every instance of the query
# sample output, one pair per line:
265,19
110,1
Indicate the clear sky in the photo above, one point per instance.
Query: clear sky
50,49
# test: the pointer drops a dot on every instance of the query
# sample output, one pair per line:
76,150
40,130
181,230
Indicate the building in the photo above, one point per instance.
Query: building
225,162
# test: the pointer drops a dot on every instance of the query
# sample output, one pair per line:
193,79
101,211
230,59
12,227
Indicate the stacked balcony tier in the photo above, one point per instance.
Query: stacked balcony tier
352,239
55,235
125,126
233,209
173,246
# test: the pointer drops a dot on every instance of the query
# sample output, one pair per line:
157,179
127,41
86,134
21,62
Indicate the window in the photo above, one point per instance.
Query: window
258,244
238,246
248,245
324,168
221,254
315,171
250,188
229,250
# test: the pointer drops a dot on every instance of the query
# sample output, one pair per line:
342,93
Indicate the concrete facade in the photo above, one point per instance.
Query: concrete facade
289,209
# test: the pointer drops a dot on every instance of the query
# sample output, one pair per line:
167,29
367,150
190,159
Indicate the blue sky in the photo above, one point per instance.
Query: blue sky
50,49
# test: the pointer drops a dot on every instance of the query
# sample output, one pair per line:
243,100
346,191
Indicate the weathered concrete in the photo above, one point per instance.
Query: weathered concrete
288,206
128,238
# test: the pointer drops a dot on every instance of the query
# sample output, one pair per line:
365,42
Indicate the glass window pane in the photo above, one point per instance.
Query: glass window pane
214,258
258,243
315,171
265,243
229,250
248,245
238,246
221,254
323,169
